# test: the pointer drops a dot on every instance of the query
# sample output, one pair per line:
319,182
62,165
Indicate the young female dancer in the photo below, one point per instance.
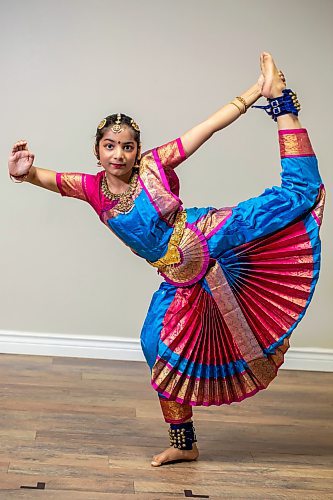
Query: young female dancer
237,280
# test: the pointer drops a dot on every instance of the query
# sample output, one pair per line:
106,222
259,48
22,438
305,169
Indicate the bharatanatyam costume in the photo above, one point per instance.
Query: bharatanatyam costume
237,280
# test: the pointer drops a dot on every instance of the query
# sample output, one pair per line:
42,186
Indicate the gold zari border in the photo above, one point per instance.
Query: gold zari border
174,412
172,255
297,144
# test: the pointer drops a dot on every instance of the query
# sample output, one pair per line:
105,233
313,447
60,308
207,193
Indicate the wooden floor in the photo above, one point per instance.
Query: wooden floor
86,429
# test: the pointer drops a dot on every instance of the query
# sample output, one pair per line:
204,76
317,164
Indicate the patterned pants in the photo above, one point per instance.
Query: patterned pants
175,413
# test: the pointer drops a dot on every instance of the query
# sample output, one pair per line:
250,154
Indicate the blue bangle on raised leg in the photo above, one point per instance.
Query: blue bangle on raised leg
282,105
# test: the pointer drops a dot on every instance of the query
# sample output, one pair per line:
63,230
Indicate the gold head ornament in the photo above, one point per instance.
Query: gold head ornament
101,124
135,125
116,128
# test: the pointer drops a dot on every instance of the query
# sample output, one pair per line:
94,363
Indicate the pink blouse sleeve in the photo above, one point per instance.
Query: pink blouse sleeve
171,154
82,186
72,184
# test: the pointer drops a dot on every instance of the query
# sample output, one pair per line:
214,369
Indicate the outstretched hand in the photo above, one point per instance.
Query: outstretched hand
20,160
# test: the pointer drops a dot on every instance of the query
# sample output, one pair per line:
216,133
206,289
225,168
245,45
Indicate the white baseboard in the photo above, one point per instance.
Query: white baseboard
129,349
75,346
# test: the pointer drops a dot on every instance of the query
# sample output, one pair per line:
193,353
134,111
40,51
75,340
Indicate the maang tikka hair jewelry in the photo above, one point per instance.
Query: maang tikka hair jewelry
116,128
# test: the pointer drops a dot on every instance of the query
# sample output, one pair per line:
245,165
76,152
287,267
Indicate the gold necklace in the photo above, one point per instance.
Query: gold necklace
125,202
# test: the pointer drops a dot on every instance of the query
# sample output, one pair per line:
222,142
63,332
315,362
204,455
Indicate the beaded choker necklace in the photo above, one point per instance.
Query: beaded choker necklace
125,200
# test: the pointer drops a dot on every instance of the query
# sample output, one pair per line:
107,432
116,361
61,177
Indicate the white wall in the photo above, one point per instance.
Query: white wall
67,64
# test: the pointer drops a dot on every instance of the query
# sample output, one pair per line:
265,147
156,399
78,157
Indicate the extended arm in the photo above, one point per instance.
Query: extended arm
72,184
199,134
43,178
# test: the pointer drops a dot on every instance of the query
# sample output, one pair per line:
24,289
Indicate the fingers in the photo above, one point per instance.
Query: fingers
18,155
20,146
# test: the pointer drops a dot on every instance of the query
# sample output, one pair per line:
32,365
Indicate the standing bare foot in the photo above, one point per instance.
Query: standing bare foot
171,454
273,81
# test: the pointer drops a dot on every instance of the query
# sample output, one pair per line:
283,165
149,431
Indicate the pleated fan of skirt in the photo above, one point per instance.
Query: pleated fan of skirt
224,338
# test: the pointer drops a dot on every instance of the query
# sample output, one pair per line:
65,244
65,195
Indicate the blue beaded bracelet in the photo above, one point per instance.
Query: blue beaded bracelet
286,103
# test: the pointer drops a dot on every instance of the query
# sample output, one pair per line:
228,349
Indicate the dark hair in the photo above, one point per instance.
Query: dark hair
111,120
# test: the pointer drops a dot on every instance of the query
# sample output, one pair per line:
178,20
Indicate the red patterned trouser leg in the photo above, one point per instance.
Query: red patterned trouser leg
175,413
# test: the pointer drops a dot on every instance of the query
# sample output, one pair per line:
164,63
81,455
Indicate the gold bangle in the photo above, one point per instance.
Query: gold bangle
239,109
242,100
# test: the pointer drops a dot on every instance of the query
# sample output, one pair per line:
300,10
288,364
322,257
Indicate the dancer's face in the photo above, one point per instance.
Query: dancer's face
117,152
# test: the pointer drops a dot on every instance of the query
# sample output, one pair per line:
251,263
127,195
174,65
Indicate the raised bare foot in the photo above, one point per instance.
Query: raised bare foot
272,80
174,454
